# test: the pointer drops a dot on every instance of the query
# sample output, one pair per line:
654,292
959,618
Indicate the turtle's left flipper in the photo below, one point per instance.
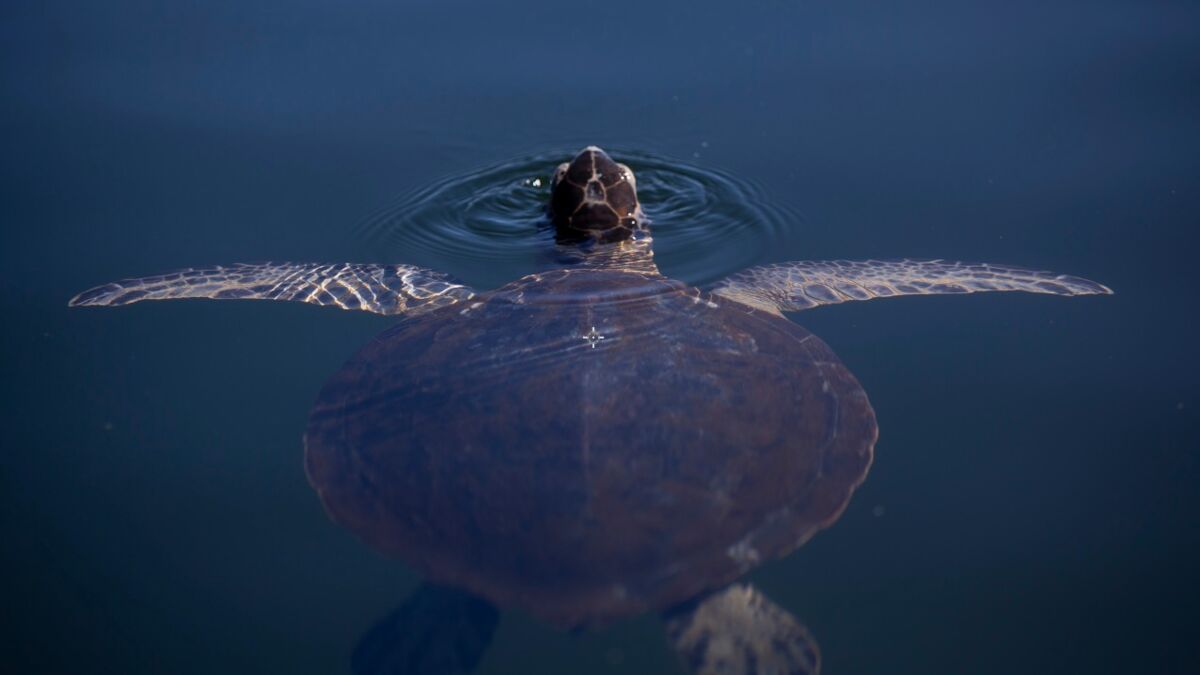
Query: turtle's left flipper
383,289
436,631
792,286
737,631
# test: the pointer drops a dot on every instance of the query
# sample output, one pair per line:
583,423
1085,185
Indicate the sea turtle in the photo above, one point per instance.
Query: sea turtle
593,441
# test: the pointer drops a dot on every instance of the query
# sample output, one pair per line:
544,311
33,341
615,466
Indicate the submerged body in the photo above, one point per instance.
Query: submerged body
594,441
590,444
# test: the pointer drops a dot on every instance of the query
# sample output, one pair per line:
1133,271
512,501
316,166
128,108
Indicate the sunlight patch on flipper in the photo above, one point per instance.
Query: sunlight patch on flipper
793,286
382,289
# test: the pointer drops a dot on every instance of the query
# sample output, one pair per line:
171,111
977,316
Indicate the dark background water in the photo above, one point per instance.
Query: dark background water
1034,504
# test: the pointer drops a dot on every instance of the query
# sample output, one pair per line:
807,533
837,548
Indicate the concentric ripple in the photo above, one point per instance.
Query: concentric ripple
706,223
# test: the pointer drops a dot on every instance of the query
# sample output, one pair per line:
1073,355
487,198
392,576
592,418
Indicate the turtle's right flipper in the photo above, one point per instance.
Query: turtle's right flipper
383,289
793,286
437,631
737,631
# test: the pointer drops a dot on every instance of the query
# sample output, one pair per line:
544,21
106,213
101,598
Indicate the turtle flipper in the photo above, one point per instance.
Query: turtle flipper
737,631
436,631
793,286
383,289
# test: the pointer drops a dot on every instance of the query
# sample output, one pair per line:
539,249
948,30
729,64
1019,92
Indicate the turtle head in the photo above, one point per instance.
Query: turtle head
594,198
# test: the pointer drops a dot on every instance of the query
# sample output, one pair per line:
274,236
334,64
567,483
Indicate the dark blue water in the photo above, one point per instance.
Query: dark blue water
1034,503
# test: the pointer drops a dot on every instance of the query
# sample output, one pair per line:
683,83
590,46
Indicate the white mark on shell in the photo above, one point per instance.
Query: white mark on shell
742,553
592,336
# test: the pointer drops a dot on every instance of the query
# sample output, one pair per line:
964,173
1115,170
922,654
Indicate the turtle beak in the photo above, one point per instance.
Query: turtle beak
588,162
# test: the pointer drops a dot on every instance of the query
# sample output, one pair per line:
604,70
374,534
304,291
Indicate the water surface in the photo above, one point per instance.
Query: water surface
1034,501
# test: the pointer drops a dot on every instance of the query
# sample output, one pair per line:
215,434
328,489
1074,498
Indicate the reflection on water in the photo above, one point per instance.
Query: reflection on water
708,223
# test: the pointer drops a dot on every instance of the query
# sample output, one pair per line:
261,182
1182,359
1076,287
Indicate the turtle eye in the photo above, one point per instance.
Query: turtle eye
559,172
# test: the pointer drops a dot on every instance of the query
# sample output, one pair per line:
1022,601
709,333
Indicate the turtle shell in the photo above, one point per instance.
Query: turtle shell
590,444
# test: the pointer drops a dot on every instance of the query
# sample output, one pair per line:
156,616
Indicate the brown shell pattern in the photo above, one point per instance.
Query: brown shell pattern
590,444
